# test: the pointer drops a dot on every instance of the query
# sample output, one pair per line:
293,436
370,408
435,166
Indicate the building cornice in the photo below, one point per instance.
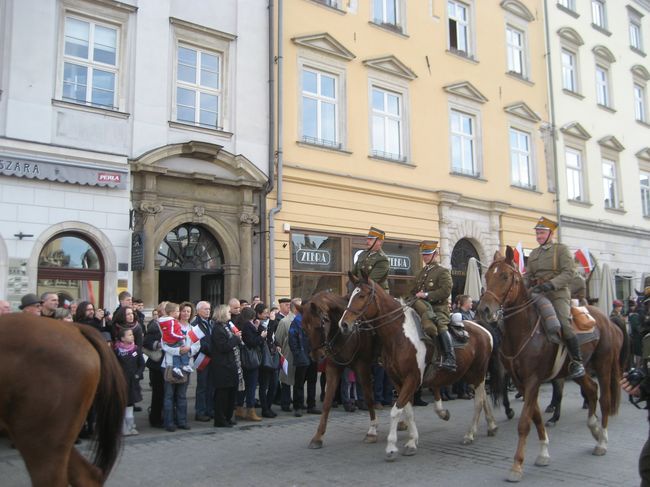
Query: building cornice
604,227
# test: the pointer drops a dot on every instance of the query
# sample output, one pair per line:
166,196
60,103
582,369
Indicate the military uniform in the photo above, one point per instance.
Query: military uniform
375,265
434,280
578,289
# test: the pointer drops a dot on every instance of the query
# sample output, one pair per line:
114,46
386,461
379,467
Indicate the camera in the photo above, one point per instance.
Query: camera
635,376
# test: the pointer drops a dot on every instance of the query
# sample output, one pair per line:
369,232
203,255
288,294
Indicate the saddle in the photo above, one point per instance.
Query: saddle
459,335
582,322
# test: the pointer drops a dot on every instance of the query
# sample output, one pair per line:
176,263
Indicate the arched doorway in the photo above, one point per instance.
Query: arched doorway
463,251
191,266
73,267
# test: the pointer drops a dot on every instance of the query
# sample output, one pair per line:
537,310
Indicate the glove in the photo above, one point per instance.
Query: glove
543,288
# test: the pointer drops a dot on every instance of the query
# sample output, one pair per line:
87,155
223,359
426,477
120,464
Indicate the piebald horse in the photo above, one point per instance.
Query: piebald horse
405,357
531,358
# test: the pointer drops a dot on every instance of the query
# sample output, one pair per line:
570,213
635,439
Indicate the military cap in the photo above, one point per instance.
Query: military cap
376,233
545,224
428,247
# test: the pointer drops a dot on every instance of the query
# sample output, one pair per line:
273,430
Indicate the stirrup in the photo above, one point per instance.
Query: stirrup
450,366
576,370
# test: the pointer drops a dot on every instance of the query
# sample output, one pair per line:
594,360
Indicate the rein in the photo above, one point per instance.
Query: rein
511,358
327,347
391,314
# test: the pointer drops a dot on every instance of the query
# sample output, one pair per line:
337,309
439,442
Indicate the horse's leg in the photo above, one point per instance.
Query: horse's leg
590,390
543,459
46,457
365,377
523,428
510,413
479,400
437,405
604,387
489,413
333,375
406,391
556,402
391,441
411,446
81,473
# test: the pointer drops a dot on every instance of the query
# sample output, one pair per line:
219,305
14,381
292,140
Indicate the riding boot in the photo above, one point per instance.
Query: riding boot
449,356
430,331
576,369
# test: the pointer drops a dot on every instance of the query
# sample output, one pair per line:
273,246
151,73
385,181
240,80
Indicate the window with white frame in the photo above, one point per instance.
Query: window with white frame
387,12
610,184
458,15
598,13
568,4
602,86
574,174
521,159
199,87
387,124
636,41
515,42
463,143
90,62
320,113
639,103
645,193
569,73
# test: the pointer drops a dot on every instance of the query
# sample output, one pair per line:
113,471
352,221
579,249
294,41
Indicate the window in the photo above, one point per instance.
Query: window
598,13
568,4
463,143
645,193
569,80
90,63
520,159
639,103
573,159
386,12
636,41
458,17
198,87
320,108
602,86
516,51
610,184
387,124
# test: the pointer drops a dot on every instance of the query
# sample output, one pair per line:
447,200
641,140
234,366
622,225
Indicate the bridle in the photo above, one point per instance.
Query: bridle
361,314
326,345
509,311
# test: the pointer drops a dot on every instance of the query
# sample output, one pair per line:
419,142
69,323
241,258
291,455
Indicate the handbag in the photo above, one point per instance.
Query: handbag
155,355
250,358
172,379
270,360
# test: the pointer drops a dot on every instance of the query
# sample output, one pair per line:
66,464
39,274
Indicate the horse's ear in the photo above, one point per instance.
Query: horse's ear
498,255
510,255
353,279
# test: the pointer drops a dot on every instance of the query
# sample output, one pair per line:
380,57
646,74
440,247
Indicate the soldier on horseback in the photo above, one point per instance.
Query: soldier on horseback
431,292
549,272
372,261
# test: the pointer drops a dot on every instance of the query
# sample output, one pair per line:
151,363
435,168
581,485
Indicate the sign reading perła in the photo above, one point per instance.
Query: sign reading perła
313,257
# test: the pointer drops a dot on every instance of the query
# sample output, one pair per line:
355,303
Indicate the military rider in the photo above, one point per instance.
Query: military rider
432,290
373,261
549,271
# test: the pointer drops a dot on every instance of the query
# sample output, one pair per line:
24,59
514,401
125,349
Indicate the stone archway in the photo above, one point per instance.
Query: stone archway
463,250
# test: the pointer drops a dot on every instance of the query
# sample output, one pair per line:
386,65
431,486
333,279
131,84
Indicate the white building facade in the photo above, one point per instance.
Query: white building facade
599,93
133,139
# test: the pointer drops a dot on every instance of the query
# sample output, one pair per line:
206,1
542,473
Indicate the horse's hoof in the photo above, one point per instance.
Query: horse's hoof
408,451
510,413
550,423
445,415
315,444
401,426
550,409
493,431
391,456
541,461
599,451
515,476
468,440
370,439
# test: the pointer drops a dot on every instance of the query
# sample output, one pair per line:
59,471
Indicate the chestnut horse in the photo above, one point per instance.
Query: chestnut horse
529,357
51,372
355,351
405,357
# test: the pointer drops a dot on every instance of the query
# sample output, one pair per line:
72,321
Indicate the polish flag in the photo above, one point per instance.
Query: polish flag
195,334
201,361
519,258
284,364
582,256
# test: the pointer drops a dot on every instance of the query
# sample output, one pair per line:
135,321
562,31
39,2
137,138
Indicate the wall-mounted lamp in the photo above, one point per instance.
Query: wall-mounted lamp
22,235
286,227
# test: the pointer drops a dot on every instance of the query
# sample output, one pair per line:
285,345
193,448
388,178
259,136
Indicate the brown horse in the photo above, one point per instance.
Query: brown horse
405,357
355,351
51,372
531,358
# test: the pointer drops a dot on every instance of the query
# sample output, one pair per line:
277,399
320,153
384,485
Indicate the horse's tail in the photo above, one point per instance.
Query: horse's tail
110,403
623,357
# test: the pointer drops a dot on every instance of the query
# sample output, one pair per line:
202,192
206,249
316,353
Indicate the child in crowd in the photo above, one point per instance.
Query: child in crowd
349,390
173,336
132,364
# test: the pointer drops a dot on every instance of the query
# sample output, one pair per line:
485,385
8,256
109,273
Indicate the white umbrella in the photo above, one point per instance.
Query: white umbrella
473,280
607,295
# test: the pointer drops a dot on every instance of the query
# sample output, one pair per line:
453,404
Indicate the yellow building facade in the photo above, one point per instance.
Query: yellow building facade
426,119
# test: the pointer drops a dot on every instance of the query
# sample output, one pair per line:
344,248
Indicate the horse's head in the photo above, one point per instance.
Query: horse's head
317,320
503,287
362,303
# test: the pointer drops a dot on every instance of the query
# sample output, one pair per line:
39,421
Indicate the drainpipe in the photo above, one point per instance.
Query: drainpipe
549,66
278,206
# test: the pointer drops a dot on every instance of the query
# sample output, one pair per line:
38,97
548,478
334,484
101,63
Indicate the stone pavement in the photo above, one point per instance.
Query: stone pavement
274,452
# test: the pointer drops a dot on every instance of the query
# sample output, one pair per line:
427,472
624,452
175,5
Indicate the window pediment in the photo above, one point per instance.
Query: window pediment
641,72
644,154
521,110
570,35
518,8
325,43
611,142
604,53
574,129
467,90
391,65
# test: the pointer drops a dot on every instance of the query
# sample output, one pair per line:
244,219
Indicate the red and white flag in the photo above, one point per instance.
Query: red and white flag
582,256
284,364
201,361
519,258
195,334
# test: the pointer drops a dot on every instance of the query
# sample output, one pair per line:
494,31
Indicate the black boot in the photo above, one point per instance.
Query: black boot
576,369
417,398
449,356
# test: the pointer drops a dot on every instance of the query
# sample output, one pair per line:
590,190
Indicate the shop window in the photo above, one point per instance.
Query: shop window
71,266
